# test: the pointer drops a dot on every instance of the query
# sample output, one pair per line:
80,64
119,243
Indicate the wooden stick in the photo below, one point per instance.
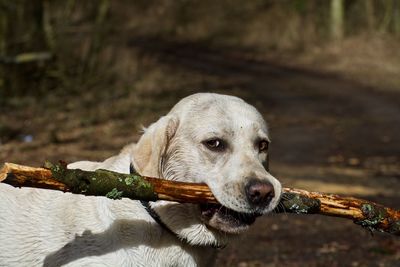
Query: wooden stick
104,183
116,185
365,213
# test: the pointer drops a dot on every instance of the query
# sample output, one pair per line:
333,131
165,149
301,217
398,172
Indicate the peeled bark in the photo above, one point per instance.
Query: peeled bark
134,186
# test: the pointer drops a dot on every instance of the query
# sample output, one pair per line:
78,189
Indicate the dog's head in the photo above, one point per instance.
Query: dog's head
218,140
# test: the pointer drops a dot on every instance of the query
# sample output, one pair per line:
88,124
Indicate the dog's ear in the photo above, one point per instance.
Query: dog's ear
153,144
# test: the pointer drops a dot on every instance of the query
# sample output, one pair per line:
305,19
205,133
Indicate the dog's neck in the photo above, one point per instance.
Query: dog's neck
202,237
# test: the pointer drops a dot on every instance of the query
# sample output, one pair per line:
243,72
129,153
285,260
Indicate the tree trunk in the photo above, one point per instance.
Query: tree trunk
337,19
387,18
369,14
396,18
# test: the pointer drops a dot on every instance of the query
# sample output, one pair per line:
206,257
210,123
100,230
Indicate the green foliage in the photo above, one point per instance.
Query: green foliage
40,49
81,39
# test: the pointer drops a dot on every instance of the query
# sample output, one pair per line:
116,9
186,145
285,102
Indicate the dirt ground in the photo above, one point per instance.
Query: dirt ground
329,133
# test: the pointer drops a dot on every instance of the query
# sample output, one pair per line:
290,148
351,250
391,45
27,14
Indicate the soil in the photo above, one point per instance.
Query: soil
329,133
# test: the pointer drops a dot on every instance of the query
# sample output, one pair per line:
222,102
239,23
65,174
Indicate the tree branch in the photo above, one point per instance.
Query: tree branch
134,186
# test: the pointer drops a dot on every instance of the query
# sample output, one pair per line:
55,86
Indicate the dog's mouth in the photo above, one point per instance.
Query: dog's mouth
225,219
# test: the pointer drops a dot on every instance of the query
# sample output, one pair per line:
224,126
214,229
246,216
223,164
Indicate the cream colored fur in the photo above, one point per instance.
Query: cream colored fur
49,228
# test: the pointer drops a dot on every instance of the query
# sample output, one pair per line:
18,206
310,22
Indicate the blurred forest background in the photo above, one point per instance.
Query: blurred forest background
79,78
72,45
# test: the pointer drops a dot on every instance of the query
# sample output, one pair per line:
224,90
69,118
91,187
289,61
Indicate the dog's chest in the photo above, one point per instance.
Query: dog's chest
145,255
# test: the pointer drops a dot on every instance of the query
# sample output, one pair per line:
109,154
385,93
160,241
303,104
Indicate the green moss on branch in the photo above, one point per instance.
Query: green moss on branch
103,183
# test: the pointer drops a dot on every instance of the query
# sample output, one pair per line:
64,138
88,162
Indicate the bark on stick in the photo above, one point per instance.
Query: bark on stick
134,186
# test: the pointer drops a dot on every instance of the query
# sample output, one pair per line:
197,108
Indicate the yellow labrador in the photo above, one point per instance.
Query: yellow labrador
206,138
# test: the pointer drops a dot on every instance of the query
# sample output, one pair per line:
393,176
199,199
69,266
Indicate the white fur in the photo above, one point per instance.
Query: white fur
49,228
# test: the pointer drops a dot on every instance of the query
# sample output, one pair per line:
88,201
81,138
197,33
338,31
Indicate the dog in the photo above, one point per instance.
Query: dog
206,138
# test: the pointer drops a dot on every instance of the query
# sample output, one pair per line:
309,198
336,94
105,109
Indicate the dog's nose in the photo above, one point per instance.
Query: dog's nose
259,193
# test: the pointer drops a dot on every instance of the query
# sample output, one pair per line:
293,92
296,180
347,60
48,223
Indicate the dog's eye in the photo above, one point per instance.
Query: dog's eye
215,144
263,146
